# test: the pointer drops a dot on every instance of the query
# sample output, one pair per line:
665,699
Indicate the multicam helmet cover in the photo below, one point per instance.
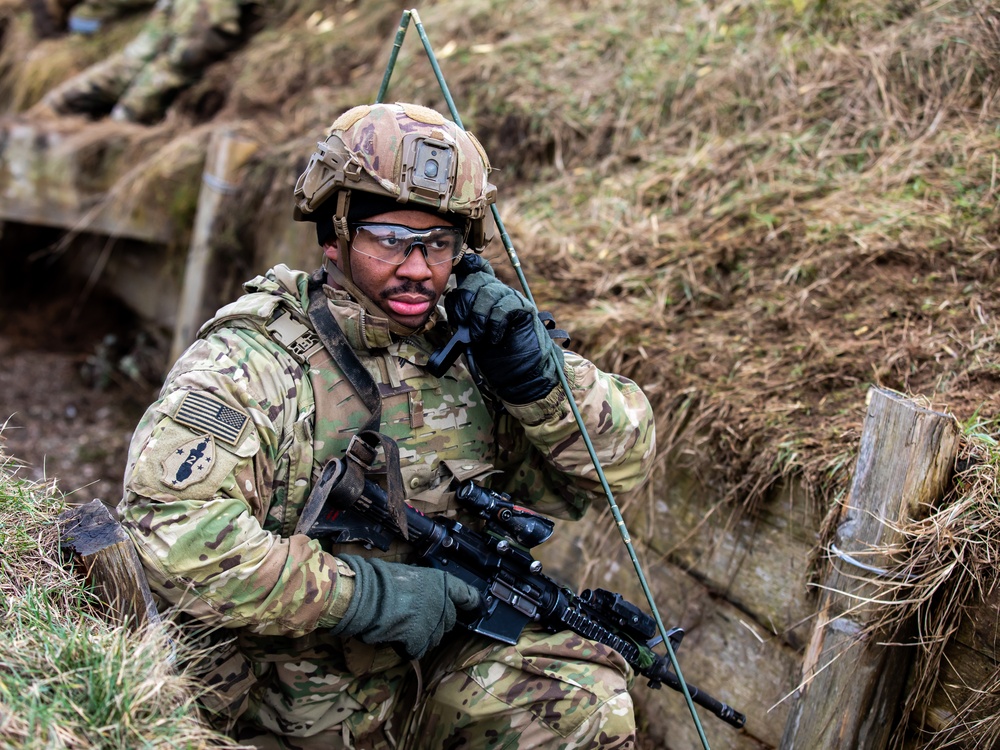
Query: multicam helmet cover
405,152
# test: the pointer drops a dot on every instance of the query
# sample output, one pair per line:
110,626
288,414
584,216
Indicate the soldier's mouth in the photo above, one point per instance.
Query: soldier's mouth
410,305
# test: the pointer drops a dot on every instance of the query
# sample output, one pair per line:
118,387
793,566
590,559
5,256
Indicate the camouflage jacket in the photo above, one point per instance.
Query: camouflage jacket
221,465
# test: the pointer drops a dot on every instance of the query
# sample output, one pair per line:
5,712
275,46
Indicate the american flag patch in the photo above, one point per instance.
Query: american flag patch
206,413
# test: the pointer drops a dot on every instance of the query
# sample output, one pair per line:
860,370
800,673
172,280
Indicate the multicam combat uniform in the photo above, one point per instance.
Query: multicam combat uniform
180,39
221,466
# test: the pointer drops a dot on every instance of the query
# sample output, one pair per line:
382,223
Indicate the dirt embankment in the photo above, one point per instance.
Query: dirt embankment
73,371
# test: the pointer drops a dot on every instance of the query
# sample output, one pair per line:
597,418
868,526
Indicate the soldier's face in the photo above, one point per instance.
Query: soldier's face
407,293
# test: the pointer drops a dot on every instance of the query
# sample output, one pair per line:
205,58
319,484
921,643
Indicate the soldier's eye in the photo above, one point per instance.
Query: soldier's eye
441,241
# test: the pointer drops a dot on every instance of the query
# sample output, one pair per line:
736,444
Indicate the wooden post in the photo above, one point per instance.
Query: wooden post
226,154
99,544
853,686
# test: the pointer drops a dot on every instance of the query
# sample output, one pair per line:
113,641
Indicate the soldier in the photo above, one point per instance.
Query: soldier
49,16
341,646
180,39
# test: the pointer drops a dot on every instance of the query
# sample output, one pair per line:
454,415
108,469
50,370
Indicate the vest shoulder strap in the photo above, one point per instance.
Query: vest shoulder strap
274,315
249,311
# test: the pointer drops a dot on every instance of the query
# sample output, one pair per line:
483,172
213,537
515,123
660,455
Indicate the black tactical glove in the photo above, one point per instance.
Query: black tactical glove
403,605
509,343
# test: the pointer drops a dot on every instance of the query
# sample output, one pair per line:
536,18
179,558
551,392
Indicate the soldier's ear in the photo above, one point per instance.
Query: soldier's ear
332,251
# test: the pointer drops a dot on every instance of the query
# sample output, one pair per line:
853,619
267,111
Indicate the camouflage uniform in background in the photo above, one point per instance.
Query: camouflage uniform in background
180,39
212,507
89,16
50,16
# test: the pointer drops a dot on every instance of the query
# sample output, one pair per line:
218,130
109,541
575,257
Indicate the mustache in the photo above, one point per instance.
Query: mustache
409,287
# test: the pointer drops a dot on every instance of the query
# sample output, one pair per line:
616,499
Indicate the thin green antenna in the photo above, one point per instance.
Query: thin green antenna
404,21
516,263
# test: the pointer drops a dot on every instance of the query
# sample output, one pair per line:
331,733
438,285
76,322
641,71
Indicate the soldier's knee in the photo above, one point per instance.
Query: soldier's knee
607,718
192,54
611,725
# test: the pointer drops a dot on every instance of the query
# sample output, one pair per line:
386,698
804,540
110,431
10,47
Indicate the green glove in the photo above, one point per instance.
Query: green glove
403,605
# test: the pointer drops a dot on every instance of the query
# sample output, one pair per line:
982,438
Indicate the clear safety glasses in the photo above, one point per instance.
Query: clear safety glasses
392,243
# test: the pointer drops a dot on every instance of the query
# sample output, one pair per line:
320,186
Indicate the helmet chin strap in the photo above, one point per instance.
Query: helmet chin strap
343,233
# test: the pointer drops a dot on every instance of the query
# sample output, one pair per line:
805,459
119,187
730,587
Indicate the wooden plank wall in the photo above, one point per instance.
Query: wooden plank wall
971,666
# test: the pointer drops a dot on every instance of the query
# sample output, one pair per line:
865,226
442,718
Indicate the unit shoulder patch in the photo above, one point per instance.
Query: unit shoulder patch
189,463
204,413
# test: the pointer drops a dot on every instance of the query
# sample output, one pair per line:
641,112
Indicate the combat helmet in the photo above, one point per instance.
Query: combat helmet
397,154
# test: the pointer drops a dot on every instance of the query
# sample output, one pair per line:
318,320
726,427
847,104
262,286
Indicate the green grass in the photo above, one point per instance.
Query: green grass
69,679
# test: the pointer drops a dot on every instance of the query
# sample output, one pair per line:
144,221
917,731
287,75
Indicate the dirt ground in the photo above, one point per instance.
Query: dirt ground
68,404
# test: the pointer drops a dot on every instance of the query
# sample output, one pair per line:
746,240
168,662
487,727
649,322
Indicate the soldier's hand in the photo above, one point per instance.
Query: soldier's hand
509,342
403,605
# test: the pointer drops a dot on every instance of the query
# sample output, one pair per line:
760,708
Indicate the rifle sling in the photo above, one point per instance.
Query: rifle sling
363,449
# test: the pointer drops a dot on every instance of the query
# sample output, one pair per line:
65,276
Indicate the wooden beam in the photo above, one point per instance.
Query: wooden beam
43,182
227,152
852,685
98,544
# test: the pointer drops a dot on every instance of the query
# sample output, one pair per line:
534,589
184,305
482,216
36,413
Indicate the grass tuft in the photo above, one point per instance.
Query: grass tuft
948,563
68,679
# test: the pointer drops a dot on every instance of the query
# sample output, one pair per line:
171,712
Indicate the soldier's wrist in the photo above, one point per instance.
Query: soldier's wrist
340,599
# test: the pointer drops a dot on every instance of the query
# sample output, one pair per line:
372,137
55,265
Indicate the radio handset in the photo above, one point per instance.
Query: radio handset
442,359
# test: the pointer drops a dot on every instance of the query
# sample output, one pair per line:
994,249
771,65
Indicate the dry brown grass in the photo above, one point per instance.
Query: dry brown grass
754,209
948,564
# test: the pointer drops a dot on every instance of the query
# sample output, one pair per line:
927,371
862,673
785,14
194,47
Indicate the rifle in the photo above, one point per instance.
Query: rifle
498,562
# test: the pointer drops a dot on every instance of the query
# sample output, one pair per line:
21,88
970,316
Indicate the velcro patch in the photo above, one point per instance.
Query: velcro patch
204,413
189,463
